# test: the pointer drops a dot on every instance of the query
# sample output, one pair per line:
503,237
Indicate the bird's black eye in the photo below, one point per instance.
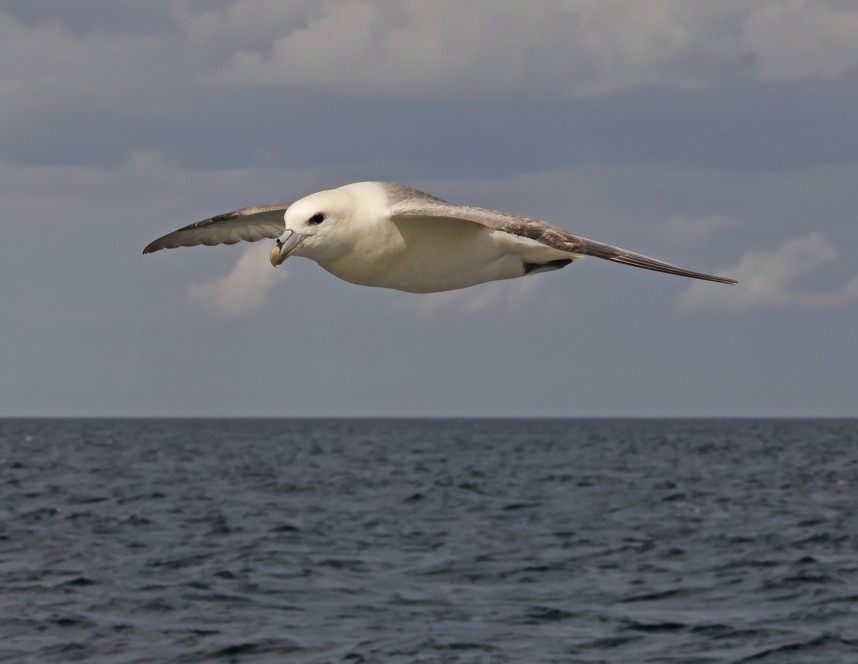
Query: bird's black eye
316,219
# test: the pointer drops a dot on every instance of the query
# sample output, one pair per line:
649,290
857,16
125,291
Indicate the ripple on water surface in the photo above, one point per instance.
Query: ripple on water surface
429,541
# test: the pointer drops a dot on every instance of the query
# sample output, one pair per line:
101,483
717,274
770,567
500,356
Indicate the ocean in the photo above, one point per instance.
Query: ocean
428,541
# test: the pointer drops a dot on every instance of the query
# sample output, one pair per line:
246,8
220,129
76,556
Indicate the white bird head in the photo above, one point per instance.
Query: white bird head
319,227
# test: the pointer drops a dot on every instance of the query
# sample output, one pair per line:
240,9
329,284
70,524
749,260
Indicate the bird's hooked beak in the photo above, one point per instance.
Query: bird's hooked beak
286,244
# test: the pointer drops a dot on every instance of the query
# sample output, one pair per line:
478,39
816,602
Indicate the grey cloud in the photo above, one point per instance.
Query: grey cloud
546,49
796,39
242,24
415,49
96,98
84,18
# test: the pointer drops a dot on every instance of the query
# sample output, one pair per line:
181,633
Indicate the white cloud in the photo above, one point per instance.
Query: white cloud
797,38
767,280
542,48
244,21
245,289
440,49
571,48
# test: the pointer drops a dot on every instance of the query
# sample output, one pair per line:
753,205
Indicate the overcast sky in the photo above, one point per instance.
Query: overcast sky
721,136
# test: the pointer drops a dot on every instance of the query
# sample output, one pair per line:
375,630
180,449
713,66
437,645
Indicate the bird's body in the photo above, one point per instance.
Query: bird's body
420,254
392,236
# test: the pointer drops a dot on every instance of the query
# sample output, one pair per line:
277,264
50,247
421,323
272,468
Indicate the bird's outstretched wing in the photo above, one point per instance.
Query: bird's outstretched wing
248,224
411,204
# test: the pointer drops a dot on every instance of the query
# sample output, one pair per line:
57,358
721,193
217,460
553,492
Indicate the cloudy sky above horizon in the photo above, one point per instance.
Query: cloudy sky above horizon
717,136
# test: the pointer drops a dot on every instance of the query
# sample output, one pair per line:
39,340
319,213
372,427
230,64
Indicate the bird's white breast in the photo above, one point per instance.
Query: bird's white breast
429,255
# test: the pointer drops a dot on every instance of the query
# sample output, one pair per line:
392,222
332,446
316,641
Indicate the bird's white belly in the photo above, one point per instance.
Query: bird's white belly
428,256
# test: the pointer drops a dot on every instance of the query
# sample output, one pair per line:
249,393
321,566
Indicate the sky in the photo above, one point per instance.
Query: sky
719,136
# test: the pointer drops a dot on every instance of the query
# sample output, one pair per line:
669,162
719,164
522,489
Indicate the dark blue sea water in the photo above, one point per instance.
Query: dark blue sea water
402,541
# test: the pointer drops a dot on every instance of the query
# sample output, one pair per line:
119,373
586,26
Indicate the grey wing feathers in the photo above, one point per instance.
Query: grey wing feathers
540,231
247,224
617,255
